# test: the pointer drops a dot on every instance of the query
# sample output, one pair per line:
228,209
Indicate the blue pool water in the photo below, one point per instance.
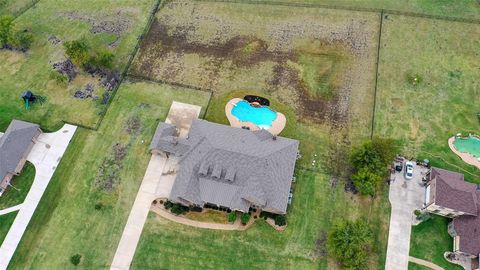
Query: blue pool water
468,145
262,117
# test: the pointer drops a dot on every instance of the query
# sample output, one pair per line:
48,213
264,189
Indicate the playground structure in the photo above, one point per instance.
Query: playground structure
29,98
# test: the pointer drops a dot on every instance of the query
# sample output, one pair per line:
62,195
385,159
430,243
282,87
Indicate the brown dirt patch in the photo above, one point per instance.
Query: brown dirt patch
241,52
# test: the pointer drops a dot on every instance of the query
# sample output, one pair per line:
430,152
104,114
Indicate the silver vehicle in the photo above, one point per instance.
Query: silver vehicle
408,170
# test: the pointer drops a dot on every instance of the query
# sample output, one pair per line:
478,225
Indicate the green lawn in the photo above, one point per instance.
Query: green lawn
445,102
469,9
430,240
21,185
66,221
66,20
414,266
6,222
316,205
14,7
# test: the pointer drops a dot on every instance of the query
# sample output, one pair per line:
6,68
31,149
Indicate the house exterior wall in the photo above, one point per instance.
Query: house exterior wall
442,211
6,180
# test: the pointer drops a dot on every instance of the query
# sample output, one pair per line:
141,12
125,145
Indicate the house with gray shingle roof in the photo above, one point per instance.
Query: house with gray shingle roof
229,167
447,194
15,145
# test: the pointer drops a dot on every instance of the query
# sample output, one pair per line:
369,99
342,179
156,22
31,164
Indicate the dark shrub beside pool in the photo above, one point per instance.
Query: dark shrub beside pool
260,100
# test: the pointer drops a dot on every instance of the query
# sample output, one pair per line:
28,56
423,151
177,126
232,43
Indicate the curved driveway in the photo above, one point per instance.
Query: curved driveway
45,156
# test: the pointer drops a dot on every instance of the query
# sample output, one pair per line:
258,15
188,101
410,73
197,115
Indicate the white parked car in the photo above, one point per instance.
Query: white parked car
408,170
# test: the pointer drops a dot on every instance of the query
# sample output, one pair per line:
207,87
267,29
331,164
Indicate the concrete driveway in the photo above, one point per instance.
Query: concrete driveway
45,156
157,183
405,196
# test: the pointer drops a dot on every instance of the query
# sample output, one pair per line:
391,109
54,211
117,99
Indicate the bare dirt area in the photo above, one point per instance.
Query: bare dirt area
317,61
117,23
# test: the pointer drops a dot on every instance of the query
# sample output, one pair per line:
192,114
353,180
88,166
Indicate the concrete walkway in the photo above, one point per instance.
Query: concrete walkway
45,156
139,213
425,263
181,115
405,196
10,209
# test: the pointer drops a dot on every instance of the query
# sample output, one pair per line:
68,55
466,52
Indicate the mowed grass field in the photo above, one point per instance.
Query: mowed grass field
66,20
316,205
21,185
446,56
6,222
66,221
430,240
469,9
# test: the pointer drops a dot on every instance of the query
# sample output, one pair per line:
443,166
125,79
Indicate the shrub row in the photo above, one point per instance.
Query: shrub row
82,54
15,40
280,220
176,208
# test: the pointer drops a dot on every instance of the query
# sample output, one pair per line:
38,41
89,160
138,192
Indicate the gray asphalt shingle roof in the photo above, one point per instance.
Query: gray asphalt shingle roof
14,143
234,167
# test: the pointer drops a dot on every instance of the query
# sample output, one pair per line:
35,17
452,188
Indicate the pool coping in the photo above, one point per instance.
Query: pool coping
277,125
466,157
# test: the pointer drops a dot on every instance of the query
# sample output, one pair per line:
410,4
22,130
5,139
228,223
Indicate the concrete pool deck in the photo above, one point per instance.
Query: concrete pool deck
466,157
277,125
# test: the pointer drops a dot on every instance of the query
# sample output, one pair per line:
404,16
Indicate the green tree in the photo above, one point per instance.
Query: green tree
102,59
5,30
75,259
21,40
351,242
78,51
366,181
376,154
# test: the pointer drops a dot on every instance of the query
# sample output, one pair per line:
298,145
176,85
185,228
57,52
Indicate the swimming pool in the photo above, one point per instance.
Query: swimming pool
263,117
469,145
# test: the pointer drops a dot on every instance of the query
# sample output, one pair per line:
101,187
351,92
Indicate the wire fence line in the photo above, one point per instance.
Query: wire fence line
157,5
379,42
18,13
341,7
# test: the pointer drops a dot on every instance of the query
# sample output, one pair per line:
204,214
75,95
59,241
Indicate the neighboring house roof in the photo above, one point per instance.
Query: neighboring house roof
468,228
232,167
452,192
14,143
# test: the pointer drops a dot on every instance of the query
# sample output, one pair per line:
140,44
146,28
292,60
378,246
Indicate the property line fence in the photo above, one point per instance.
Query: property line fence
376,75
135,77
341,7
18,13
158,4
